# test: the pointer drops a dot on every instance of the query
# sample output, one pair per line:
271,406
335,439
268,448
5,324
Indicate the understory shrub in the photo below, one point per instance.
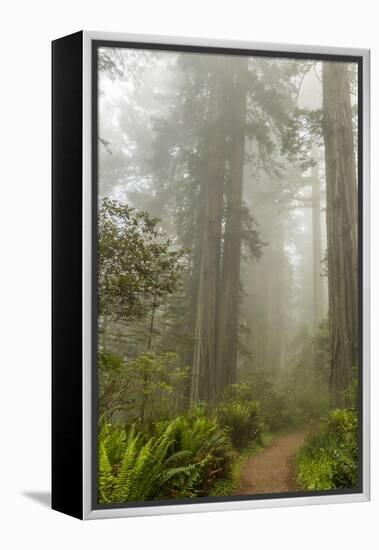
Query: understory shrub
243,422
183,458
200,440
238,392
142,470
329,458
278,409
145,389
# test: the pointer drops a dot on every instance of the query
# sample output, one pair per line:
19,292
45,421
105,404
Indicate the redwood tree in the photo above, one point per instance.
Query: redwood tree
341,217
204,376
227,340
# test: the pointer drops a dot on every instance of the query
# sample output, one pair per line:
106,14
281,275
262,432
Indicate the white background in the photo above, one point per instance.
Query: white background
26,31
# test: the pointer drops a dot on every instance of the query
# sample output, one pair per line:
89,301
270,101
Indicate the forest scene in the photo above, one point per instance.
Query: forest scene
227,296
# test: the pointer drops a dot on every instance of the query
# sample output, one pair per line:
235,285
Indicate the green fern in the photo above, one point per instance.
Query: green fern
105,479
243,422
180,460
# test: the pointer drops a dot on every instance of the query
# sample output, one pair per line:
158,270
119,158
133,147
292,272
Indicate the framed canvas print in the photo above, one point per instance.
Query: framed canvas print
210,275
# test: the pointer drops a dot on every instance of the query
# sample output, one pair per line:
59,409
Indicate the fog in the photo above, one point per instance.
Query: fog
227,250
145,111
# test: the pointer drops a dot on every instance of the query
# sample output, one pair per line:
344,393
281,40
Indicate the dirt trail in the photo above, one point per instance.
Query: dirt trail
273,469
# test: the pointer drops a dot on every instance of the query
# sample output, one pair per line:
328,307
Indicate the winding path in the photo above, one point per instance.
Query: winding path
273,469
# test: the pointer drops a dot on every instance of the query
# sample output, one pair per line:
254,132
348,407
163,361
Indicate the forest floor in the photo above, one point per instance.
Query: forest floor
273,470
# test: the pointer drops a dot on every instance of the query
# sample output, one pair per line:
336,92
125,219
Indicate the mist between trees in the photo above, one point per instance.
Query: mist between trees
227,246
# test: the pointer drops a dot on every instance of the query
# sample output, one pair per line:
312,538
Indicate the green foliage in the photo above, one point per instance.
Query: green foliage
329,458
112,440
238,392
223,488
303,131
276,407
321,366
200,440
106,481
242,420
296,395
114,392
145,468
350,396
180,458
137,266
250,236
148,388
301,393
279,410
158,383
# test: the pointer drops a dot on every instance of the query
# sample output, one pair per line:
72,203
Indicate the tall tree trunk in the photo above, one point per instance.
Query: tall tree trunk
341,219
192,285
318,294
145,375
227,338
203,380
274,339
279,321
154,306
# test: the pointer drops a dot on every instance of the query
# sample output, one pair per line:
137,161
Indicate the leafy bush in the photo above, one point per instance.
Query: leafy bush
146,469
274,410
157,381
145,389
223,488
349,397
329,458
238,392
278,407
243,422
136,262
200,440
183,458
278,412
114,393
114,439
299,393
